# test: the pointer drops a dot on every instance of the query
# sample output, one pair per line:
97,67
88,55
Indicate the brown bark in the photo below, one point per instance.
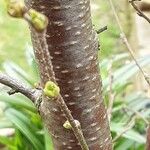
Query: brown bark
73,48
148,139
144,6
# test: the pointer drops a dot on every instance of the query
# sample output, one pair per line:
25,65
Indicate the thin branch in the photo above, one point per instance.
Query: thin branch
76,128
41,52
125,41
17,86
139,12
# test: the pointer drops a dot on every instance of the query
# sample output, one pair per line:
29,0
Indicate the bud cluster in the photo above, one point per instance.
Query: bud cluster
17,9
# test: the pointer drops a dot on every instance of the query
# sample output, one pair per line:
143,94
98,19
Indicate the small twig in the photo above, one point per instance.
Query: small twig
101,30
12,91
129,126
76,128
32,94
125,41
139,12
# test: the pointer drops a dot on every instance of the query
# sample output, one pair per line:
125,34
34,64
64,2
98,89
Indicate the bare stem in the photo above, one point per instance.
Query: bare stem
125,41
76,128
139,12
17,86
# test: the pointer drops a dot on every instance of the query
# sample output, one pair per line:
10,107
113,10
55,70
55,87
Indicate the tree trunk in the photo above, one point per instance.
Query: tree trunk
73,48
148,139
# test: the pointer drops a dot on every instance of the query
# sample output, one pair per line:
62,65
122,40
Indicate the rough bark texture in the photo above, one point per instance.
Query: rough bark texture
73,46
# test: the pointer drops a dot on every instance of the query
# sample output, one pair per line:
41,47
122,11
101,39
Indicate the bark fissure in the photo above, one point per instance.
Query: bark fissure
73,45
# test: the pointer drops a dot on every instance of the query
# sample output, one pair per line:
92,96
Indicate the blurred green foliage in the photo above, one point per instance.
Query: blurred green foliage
14,35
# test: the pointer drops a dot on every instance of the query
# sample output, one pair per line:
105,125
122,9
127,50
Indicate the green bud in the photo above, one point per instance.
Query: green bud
16,8
38,20
51,89
67,124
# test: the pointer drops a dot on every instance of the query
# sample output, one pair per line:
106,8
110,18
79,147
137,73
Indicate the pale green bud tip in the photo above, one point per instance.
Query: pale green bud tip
67,124
38,20
16,8
51,89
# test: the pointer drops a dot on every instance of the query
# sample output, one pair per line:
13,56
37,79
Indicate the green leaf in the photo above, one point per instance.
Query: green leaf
48,141
8,142
124,144
4,123
18,102
17,72
23,124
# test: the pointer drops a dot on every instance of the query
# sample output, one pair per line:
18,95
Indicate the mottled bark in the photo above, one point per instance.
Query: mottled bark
73,48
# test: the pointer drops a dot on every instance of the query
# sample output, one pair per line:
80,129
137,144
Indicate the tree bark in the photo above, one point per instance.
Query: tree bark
73,45
148,139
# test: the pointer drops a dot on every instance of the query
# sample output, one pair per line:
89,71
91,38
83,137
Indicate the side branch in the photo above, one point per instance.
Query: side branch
76,128
139,12
17,86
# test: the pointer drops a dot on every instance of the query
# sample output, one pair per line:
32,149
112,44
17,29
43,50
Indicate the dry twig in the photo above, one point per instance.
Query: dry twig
125,41
139,12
